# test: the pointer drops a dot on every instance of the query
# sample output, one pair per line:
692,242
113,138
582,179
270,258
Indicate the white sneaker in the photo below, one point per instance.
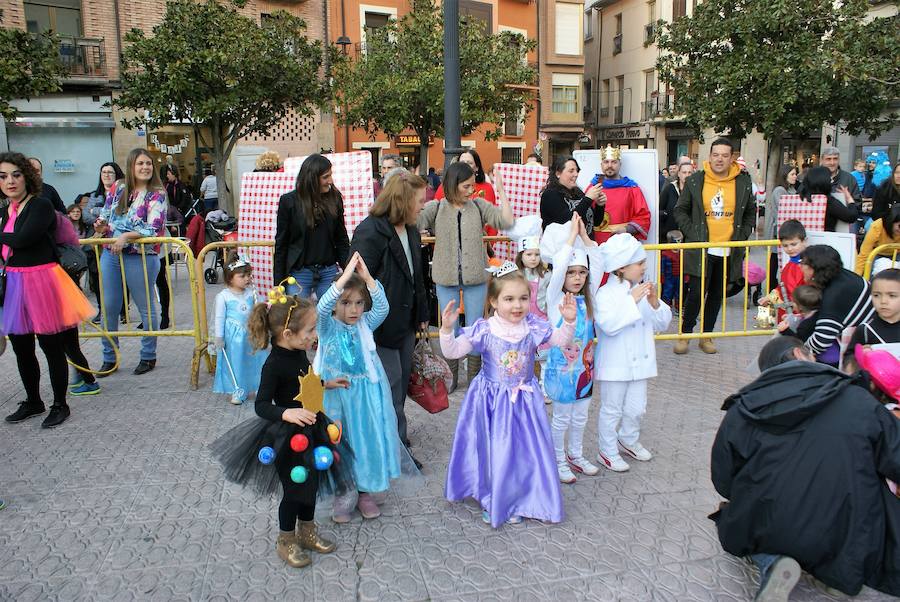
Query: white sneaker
636,451
781,579
236,401
613,463
582,465
565,473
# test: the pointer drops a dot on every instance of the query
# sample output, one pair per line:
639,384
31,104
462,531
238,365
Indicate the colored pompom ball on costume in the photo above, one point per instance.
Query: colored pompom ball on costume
299,474
334,433
323,457
299,443
266,455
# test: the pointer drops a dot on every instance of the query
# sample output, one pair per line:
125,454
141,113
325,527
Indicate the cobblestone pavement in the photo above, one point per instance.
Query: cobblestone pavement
123,502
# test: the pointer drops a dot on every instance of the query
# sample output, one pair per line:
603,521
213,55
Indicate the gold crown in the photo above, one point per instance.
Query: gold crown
611,153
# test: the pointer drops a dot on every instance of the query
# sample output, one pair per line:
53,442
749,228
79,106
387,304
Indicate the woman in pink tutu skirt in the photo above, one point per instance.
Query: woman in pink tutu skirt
40,299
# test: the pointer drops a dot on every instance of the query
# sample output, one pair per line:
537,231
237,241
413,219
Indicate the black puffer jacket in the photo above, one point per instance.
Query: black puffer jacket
802,456
380,248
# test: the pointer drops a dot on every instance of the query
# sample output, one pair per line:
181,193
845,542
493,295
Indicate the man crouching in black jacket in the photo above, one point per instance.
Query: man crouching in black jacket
802,456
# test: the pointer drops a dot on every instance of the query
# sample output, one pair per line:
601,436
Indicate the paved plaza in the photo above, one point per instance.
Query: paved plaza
123,502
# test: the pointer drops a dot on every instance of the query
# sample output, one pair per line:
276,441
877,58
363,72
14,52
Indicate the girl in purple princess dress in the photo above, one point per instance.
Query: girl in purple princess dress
502,452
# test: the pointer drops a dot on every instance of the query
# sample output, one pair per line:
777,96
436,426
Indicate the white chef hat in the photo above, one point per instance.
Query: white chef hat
621,250
555,237
526,232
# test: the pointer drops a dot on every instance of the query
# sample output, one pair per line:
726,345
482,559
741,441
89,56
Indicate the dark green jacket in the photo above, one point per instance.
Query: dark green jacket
691,220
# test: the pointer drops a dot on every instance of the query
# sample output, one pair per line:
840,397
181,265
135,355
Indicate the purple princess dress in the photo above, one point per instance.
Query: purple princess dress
502,452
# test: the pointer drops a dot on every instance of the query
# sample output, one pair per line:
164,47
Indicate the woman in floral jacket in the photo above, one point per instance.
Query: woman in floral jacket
135,208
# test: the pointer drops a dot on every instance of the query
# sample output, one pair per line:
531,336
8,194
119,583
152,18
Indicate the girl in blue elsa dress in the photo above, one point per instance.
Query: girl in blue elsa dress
352,308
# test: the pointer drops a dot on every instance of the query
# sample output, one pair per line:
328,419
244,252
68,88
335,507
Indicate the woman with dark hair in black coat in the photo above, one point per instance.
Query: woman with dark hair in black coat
389,244
310,235
887,195
562,197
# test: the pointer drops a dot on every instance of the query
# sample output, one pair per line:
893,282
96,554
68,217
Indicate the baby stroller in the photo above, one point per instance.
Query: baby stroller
215,232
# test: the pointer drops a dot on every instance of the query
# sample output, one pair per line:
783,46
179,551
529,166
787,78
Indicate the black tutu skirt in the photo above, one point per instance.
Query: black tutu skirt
238,452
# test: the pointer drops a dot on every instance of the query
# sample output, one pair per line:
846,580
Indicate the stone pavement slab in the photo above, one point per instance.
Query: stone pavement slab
123,502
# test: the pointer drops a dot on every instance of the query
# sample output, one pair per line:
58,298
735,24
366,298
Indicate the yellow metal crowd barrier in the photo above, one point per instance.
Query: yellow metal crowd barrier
888,250
199,330
169,246
767,285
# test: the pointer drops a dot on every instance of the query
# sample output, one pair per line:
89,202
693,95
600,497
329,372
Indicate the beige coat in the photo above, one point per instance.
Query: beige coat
445,221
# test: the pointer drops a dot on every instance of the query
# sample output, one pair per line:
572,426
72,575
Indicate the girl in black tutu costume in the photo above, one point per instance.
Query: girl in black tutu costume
292,436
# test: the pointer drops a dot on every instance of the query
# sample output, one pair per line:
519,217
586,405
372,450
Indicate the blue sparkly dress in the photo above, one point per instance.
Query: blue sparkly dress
365,409
231,313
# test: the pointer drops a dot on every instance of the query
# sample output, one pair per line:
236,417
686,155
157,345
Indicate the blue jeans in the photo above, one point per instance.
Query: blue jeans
211,204
112,295
473,299
312,278
764,563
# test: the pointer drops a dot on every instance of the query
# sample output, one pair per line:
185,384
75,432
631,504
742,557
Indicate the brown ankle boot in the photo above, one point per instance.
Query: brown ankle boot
308,536
454,369
289,550
707,346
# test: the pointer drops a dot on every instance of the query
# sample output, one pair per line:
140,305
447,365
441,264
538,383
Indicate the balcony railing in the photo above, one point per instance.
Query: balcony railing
83,57
657,107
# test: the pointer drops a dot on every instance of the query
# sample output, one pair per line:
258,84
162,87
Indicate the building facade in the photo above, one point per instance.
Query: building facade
75,131
629,107
564,99
351,19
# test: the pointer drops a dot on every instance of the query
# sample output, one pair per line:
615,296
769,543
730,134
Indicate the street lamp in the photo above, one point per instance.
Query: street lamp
344,42
452,134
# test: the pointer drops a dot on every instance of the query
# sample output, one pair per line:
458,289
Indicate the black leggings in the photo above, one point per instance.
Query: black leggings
162,285
73,352
54,348
290,510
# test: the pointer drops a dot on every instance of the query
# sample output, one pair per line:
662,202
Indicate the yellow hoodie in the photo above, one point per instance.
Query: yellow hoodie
719,202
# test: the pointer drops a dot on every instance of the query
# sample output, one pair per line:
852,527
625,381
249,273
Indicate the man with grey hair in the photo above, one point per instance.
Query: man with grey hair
831,158
389,161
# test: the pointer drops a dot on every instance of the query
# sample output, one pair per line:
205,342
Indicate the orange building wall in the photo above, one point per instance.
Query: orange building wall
508,13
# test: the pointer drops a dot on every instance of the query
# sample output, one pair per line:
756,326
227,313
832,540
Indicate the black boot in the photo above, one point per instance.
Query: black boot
145,366
58,414
27,409
107,368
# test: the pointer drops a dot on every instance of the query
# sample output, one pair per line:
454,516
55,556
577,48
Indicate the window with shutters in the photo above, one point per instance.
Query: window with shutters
566,88
568,40
679,8
477,12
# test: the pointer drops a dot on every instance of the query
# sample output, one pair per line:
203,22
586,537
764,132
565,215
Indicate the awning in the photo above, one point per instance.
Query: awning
80,121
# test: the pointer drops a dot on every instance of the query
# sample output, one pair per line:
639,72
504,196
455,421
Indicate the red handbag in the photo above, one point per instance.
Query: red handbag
430,378
432,396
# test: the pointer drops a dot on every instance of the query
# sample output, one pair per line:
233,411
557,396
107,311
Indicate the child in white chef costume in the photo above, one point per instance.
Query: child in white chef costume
627,313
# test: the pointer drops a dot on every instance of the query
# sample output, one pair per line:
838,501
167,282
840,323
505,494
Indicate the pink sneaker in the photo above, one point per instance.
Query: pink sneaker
367,506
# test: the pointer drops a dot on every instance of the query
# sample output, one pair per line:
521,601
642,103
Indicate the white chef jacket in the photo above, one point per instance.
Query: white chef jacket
626,350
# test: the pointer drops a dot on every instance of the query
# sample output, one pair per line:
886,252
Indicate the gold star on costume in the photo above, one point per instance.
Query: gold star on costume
311,392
